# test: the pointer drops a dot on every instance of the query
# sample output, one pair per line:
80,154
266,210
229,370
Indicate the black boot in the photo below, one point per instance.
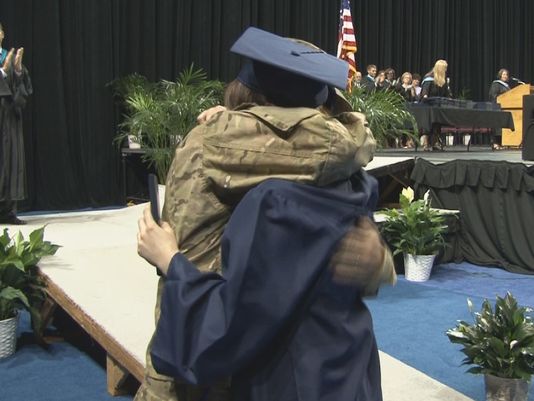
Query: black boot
8,214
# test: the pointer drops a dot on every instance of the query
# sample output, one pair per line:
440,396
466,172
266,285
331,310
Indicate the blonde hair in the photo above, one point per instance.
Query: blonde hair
440,72
406,74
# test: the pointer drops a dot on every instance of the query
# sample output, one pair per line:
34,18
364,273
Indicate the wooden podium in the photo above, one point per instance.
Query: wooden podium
512,101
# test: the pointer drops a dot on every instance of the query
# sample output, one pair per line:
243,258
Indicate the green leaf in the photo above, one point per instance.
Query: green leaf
500,341
386,112
36,237
20,284
14,294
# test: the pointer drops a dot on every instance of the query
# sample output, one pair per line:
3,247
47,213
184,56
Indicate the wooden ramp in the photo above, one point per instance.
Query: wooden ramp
100,281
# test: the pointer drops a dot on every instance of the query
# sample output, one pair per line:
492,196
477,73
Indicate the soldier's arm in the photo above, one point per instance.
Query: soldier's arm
363,259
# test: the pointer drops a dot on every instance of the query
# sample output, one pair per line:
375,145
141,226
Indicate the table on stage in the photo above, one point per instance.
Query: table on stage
431,118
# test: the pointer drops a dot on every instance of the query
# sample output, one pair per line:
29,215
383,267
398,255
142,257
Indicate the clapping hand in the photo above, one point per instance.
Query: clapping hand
7,61
18,60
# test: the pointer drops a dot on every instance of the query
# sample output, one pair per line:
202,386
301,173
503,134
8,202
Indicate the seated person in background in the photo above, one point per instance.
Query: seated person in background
416,83
368,82
391,78
380,81
405,87
357,80
498,87
435,84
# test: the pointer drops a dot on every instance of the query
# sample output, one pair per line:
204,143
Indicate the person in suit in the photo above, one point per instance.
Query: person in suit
368,82
357,81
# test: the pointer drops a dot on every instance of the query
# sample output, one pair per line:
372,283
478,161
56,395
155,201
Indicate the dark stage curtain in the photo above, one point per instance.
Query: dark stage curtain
496,203
75,47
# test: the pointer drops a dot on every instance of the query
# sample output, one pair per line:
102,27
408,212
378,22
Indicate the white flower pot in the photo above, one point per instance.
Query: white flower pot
502,389
133,143
8,336
418,267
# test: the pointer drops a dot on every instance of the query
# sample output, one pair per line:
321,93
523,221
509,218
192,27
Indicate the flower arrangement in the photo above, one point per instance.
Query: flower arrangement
500,342
415,228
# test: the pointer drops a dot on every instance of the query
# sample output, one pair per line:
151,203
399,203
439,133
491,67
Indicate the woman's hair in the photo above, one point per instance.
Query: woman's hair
440,72
236,94
379,74
406,74
502,71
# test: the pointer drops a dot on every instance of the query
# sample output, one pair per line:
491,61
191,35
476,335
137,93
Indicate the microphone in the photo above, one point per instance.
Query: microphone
517,81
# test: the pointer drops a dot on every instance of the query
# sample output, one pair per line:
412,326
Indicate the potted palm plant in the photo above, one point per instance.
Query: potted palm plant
386,112
417,231
20,284
159,114
500,345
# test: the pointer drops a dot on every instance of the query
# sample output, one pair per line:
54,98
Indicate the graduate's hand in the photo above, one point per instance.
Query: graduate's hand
207,114
156,244
18,60
7,62
362,258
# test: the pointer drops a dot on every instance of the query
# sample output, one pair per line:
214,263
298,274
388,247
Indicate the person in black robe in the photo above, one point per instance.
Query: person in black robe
435,84
15,87
278,319
500,85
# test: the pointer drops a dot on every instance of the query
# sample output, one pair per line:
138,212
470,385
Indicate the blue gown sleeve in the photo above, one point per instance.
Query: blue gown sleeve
212,325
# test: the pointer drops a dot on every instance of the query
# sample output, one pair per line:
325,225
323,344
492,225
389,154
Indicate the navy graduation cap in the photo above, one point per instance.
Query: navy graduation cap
288,72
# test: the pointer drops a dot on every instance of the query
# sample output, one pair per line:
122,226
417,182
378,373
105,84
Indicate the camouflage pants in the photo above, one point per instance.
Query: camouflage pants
153,389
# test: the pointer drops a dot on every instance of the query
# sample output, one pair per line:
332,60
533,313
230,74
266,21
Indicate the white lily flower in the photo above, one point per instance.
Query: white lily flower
408,193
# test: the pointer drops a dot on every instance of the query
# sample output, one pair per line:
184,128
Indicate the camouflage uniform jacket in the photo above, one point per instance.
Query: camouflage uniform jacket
219,161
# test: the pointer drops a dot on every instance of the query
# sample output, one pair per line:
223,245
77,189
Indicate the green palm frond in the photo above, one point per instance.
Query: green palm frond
386,112
158,115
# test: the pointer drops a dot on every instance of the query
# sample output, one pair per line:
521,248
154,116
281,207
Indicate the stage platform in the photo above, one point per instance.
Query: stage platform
99,280
457,152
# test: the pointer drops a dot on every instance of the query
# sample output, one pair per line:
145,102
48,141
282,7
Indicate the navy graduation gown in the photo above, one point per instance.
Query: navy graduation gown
274,321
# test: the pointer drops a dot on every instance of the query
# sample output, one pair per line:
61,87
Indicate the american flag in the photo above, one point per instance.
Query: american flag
347,41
